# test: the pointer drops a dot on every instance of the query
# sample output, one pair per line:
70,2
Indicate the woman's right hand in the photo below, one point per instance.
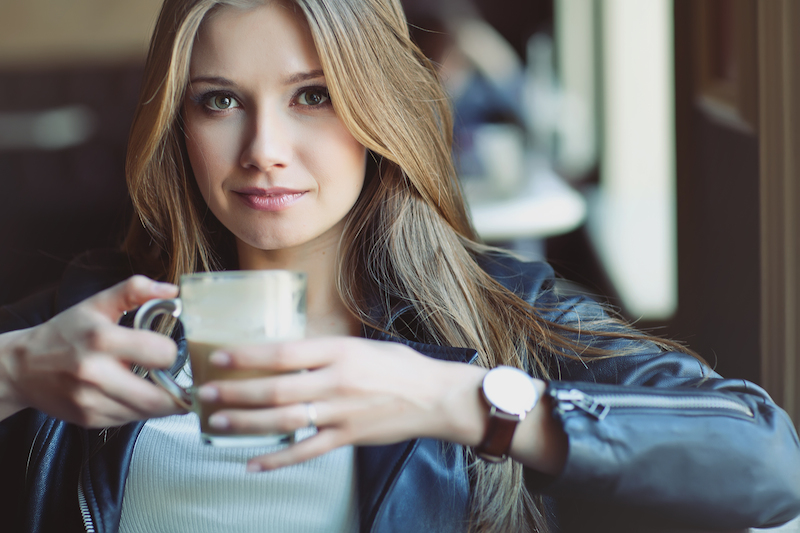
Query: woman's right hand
77,365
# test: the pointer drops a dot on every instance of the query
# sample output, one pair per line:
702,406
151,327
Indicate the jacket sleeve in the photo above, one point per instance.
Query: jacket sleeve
657,437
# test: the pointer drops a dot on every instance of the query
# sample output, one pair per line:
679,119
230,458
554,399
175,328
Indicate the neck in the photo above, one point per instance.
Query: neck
327,314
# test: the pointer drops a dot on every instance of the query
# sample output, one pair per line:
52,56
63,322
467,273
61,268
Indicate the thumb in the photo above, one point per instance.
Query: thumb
130,294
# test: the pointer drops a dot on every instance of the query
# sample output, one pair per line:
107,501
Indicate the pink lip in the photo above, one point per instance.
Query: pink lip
272,199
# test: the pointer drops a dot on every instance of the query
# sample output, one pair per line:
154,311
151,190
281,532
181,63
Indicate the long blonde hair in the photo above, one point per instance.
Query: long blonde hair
408,238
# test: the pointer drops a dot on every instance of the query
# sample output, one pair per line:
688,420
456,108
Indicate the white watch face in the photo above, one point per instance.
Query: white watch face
510,390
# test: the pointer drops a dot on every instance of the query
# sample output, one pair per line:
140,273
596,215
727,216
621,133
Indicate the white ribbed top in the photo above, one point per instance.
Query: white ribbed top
178,484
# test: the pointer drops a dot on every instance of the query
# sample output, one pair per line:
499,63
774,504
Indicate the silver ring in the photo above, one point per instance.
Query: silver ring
311,412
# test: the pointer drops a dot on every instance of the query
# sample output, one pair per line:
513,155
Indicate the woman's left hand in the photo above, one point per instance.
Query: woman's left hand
363,392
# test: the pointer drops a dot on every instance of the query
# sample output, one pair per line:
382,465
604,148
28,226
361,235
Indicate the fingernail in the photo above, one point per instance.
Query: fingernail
218,421
207,394
220,359
253,467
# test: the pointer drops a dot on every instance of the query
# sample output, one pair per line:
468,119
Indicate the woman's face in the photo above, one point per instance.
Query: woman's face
272,159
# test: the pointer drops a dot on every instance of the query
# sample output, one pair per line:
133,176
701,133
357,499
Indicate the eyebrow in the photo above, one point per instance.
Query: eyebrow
304,76
213,80
289,80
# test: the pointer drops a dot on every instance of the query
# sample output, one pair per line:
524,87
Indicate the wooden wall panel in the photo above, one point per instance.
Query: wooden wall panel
779,75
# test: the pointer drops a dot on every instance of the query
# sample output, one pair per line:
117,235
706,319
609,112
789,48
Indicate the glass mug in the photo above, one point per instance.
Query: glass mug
230,308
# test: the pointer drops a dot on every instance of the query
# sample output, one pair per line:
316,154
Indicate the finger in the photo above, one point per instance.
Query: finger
323,442
289,418
118,383
144,348
284,389
93,409
89,406
286,356
261,421
113,414
130,294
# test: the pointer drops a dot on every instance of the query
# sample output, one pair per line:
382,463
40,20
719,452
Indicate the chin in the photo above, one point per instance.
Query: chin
272,243
316,237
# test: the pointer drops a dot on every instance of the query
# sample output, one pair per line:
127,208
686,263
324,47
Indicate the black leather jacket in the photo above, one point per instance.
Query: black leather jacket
654,438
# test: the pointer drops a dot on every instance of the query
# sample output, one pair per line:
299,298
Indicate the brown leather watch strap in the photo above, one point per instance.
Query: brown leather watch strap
499,433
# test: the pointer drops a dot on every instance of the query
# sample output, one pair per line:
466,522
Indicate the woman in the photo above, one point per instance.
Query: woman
313,135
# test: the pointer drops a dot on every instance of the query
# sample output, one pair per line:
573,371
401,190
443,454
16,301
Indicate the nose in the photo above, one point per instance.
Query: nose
267,144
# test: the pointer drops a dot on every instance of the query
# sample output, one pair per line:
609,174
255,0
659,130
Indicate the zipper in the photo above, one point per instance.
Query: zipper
86,515
599,405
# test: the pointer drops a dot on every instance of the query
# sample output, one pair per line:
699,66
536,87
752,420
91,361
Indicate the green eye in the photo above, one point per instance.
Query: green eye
220,102
313,97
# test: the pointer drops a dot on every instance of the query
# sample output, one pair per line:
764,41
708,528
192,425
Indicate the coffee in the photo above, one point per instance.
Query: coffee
203,372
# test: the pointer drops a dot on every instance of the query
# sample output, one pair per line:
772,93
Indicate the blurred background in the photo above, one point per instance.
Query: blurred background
644,148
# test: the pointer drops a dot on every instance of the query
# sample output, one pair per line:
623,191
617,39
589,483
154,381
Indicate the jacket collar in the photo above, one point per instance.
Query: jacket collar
380,466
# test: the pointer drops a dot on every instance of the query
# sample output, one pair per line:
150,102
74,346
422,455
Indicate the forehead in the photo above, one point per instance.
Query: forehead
269,38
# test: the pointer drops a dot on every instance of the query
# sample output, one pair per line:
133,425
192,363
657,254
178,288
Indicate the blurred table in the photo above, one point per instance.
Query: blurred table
543,205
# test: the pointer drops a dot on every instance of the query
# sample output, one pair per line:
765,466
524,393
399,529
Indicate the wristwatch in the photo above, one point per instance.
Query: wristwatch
510,394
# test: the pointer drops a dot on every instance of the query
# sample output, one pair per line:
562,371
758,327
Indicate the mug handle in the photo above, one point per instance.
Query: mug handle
143,320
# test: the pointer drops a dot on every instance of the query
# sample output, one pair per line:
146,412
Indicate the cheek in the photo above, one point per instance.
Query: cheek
193,150
343,159
208,155
193,137
355,162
